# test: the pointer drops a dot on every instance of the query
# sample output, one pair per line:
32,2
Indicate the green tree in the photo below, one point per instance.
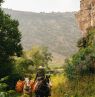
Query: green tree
40,56
23,66
10,45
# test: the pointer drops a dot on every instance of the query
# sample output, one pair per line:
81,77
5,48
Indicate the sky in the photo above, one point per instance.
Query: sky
43,5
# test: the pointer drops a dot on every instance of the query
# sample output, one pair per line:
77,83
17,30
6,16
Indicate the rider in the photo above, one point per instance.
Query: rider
40,73
41,77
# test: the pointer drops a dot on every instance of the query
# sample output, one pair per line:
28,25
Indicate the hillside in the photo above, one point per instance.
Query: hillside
57,31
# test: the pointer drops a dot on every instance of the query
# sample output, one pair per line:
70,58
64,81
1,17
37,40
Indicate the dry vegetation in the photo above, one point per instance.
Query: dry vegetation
79,88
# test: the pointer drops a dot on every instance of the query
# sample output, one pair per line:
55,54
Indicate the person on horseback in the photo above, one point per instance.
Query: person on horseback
40,73
41,83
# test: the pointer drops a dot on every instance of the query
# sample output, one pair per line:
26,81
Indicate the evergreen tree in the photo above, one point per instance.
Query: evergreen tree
10,45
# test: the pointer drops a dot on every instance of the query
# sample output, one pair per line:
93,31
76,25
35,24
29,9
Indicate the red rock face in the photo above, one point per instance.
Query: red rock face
86,15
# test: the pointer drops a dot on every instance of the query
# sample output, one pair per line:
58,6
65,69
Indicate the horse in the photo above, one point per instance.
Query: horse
25,87
42,88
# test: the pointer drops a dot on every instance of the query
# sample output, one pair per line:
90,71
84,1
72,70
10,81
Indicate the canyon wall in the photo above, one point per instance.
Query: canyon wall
86,15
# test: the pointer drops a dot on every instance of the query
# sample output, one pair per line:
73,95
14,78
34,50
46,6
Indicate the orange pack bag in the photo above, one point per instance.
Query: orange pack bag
19,86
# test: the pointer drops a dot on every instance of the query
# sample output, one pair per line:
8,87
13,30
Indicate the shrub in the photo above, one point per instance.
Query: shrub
83,62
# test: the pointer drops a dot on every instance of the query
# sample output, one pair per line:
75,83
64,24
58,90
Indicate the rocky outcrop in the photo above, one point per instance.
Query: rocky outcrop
86,15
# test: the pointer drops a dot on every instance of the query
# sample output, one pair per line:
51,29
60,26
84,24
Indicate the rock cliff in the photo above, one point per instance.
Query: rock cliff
86,15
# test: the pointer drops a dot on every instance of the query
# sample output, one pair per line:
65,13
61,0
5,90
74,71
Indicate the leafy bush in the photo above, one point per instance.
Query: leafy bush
3,86
22,66
12,80
4,92
88,40
83,62
40,56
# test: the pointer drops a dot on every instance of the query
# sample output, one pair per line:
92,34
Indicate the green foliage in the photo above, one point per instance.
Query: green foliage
3,86
13,78
22,66
26,95
40,56
83,62
6,68
9,43
88,40
69,69
9,37
1,2
10,46
82,42
11,93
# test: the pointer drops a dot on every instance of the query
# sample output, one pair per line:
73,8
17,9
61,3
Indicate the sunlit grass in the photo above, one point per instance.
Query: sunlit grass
85,87
57,84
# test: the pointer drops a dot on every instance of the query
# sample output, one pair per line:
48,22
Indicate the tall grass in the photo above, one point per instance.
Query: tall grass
57,85
76,88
